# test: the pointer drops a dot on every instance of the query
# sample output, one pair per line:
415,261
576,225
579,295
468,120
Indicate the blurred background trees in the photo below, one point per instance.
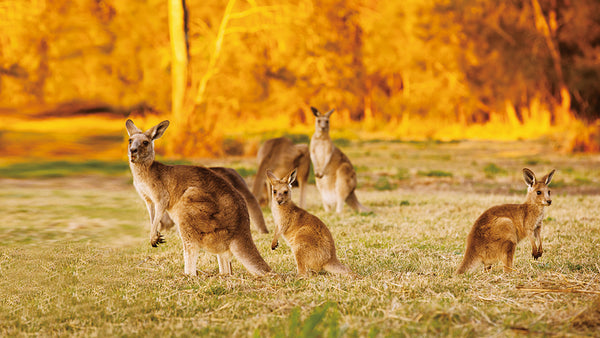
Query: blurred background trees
405,69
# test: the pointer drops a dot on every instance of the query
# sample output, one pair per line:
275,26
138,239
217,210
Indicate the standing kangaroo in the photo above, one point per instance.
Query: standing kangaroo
499,229
209,212
238,182
281,155
334,174
309,238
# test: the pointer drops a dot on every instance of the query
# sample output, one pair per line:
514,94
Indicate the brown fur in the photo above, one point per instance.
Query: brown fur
334,174
238,182
209,212
496,233
308,237
281,155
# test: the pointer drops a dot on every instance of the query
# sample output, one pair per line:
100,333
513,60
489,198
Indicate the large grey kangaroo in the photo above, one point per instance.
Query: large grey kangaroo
334,174
209,212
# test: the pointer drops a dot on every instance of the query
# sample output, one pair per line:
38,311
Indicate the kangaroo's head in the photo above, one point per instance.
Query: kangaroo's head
141,144
322,121
281,189
538,191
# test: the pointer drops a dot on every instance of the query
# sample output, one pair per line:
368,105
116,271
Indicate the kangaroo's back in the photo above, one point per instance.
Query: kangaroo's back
281,155
238,182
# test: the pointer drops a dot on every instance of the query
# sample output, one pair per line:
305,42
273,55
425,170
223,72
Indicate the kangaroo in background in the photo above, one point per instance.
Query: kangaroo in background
281,155
208,211
335,177
238,182
308,237
499,229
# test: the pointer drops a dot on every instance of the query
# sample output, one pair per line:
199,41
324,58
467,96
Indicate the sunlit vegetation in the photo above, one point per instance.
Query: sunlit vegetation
228,73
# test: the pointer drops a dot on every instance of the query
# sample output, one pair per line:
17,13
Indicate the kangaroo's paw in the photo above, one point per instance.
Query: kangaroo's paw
157,239
274,245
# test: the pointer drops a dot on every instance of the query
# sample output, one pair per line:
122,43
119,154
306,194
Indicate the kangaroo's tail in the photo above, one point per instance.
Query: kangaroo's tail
468,263
334,266
355,204
244,249
256,215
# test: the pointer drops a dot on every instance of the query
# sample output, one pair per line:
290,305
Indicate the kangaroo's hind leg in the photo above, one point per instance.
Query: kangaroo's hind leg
190,257
224,260
345,184
509,255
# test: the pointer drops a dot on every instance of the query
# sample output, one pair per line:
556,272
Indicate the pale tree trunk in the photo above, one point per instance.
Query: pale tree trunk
563,114
179,59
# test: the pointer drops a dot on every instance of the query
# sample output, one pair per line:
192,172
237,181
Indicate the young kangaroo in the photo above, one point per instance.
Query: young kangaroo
281,155
209,212
334,174
309,238
238,182
499,229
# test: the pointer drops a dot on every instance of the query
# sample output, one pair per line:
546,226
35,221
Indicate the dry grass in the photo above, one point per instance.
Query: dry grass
75,259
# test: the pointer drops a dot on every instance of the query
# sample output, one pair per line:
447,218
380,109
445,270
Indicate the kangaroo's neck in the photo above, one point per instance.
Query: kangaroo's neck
283,214
533,214
321,135
144,172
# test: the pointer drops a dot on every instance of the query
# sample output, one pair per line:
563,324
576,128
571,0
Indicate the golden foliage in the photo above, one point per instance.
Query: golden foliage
238,69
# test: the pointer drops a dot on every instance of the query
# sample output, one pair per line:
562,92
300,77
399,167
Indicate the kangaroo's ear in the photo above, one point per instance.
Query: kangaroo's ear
529,177
548,178
272,178
158,130
131,128
315,111
329,112
292,176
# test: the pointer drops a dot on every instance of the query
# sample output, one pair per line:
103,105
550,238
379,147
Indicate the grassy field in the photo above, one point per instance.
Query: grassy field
75,257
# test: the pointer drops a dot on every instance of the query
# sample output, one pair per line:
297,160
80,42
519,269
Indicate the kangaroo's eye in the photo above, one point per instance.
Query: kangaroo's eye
146,143
130,140
539,192
548,192
285,192
274,192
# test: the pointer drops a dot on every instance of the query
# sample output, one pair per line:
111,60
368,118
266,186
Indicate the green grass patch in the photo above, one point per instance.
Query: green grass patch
492,170
62,169
383,183
434,173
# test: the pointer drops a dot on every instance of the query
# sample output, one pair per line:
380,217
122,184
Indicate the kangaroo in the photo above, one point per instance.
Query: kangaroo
281,155
309,238
208,211
238,182
499,229
334,175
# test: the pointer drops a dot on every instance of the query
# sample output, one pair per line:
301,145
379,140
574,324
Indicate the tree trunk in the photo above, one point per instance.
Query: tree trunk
179,58
563,113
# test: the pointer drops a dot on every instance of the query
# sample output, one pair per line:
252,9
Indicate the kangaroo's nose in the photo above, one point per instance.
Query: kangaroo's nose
133,150
549,202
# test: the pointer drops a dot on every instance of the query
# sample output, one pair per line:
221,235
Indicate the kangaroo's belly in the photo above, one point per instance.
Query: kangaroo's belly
326,187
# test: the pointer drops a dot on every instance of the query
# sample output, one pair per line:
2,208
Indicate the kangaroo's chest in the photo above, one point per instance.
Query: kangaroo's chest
538,220
320,152
145,189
